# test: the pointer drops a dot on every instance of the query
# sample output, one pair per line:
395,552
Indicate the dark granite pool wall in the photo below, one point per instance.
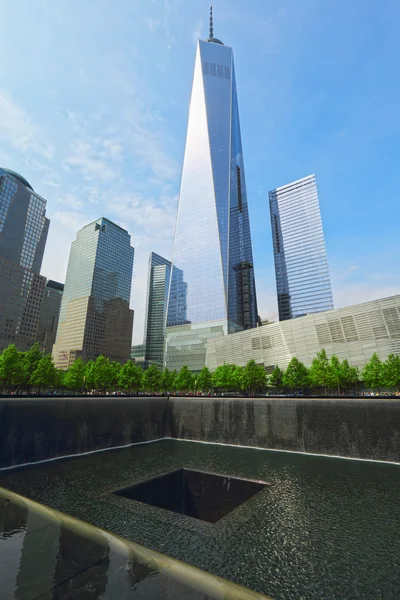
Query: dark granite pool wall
41,428
38,429
353,428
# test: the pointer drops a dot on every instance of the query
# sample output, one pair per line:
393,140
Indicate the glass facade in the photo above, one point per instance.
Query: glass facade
95,317
212,249
156,308
23,234
49,315
301,266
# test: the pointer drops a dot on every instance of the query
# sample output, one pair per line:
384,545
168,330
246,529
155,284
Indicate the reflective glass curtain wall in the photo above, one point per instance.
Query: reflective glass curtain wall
212,246
156,308
301,266
23,234
95,317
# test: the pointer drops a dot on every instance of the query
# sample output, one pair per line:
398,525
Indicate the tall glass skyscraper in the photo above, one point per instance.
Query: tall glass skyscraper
212,248
158,285
156,308
49,315
23,235
301,267
95,318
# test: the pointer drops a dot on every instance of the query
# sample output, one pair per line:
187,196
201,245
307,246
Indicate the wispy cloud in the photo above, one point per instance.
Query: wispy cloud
197,31
147,148
18,130
70,219
69,201
91,161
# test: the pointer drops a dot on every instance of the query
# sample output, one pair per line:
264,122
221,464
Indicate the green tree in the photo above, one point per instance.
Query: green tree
151,381
31,360
238,382
350,375
254,377
168,380
223,377
335,376
130,377
372,373
204,380
391,371
185,380
115,369
103,373
276,378
320,371
89,375
12,372
45,374
74,378
296,375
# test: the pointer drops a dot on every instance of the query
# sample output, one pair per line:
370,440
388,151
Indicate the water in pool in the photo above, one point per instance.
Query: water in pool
321,528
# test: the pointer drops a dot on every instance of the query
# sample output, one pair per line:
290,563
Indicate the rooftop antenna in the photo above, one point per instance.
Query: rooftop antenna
211,23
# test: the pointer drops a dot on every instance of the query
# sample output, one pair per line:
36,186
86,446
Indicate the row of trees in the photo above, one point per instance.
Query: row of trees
31,370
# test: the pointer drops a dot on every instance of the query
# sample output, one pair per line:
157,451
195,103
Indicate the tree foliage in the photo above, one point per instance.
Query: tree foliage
296,375
373,372
45,374
204,380
23,370
276,378
222,378
391,371
74,377
320,372
185,380
151,380
130,377
12,372
253,377
350,375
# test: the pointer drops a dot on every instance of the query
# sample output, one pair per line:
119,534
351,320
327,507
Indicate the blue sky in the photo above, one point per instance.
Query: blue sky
94,101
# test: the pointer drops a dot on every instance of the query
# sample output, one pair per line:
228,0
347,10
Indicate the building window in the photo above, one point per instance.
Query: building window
239,187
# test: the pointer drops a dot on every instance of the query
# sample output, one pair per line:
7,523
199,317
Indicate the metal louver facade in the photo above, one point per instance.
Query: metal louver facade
354,333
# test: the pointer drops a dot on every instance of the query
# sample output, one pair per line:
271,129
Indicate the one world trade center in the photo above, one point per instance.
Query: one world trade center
212,291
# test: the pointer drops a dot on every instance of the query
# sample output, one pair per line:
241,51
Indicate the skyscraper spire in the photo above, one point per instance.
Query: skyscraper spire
211,37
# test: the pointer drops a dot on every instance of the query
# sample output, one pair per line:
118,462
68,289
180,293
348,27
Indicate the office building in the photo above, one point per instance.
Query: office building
23,235
212,247
49,315
301,267
95,318
354,333
156,308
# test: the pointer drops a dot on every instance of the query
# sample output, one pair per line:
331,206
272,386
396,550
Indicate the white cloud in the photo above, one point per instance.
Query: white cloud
90,162
50,183
148,149
72,220
152,24
197,31
69,201
20,132
147,219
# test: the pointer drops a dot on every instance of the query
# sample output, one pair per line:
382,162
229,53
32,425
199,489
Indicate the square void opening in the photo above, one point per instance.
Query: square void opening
204,496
